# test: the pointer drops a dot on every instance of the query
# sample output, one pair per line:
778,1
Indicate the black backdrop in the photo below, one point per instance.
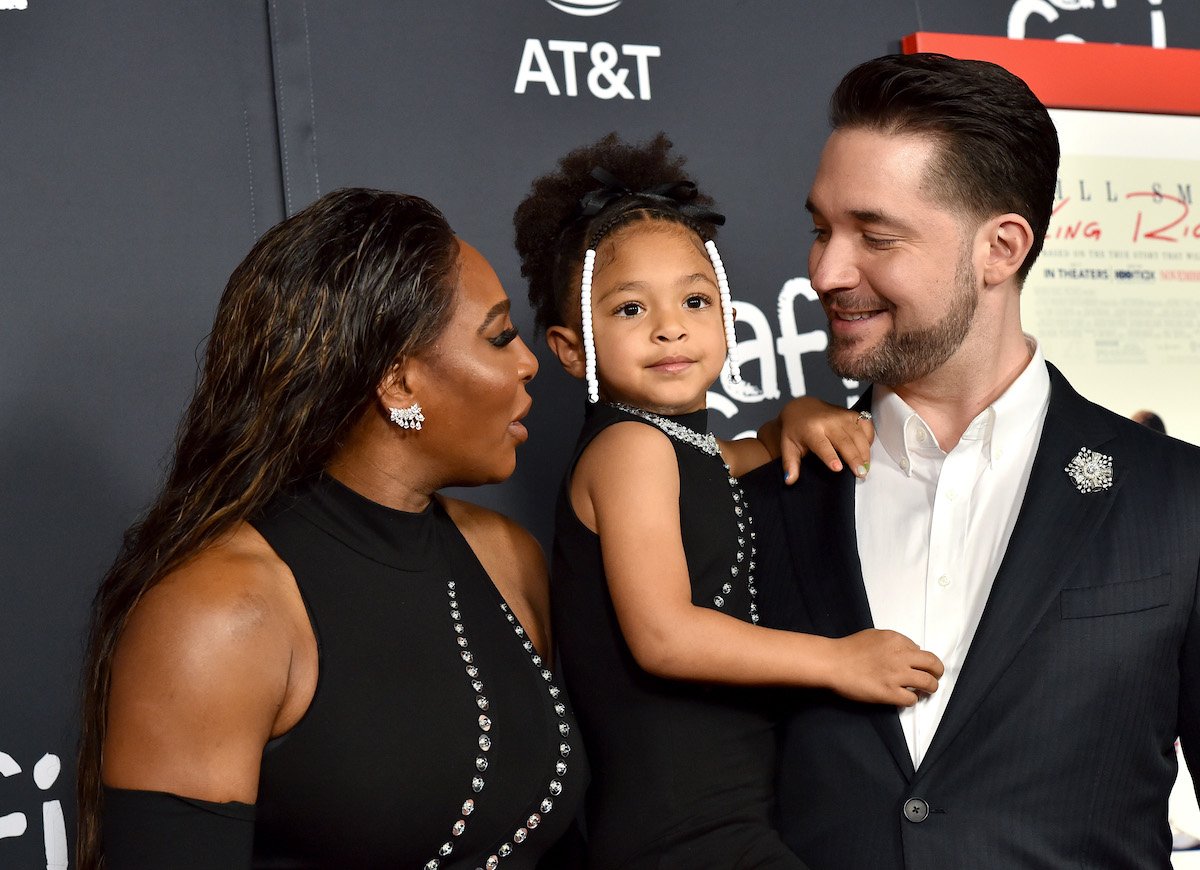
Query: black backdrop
145,145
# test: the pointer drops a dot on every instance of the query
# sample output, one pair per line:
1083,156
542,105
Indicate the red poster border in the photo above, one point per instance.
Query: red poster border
1089,75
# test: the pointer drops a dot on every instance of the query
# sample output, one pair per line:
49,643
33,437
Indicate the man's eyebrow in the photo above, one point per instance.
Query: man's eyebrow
880,218
494,312
867,216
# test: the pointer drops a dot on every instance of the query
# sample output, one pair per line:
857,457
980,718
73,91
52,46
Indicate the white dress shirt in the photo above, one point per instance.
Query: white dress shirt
933,526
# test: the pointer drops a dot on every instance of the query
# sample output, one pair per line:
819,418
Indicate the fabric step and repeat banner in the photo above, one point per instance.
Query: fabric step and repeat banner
144,146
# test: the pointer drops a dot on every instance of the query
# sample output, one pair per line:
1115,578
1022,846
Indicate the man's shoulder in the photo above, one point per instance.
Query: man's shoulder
766,482
1158,458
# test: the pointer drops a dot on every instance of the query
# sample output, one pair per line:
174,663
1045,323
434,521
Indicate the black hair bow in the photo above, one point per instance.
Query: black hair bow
677,195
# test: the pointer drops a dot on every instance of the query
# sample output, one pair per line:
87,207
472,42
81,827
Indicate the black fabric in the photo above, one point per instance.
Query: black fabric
1056,749
376,772
682,772
145,829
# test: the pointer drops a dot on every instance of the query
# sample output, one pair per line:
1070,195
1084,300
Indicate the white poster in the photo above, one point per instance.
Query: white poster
1115,296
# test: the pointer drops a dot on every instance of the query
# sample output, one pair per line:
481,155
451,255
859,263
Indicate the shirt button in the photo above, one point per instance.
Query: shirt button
921,435
951,494
997,453
916,810
904,463
943,581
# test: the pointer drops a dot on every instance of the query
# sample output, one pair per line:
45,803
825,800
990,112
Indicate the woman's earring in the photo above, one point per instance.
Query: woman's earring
408,418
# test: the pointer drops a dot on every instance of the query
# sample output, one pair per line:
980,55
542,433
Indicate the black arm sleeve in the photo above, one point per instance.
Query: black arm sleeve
144,829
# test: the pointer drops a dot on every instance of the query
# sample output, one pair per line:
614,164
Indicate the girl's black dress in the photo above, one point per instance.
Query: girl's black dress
437,737
682,773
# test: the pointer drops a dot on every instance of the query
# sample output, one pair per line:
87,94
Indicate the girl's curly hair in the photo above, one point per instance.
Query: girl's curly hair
552,232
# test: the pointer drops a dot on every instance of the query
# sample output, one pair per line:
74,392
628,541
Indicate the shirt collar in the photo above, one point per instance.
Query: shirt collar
1003,424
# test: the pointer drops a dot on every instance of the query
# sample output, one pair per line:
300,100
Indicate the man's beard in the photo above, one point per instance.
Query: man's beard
902,358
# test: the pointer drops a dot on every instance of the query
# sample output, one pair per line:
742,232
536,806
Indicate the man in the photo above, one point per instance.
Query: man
1044,548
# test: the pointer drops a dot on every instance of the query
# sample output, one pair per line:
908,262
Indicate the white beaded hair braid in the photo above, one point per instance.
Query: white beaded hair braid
589,342
731,358
743,389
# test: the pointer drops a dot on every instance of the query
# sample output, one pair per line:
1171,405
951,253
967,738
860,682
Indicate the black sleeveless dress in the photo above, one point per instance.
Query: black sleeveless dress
437,737
682,773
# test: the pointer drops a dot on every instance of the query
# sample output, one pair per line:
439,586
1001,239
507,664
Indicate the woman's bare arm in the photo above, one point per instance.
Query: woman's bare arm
215,659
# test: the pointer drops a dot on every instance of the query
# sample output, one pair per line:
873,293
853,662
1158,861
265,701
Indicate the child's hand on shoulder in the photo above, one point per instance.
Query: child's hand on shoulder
840,438
883,667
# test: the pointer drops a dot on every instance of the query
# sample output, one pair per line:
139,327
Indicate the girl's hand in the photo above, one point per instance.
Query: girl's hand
882,667
834,434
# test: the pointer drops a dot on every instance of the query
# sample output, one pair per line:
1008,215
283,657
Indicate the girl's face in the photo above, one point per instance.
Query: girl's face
656,318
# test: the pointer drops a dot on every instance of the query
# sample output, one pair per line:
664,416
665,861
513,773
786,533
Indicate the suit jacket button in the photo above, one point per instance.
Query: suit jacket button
916,810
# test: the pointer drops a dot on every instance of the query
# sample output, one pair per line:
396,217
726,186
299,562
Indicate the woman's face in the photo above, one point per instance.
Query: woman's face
471,381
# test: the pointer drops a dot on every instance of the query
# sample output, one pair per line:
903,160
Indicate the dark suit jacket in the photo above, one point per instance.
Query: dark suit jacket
1056,749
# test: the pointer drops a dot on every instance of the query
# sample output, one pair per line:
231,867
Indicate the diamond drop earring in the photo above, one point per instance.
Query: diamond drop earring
408,418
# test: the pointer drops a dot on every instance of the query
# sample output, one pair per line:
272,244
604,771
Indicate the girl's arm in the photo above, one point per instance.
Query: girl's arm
805,425
626,488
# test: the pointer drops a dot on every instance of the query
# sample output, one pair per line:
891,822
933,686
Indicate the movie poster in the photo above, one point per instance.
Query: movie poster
1115,296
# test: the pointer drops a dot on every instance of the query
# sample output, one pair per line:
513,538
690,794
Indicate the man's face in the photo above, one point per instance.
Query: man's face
892,266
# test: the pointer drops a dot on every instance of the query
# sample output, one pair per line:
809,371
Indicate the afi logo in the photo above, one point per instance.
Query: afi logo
585,8
54,829
1048,10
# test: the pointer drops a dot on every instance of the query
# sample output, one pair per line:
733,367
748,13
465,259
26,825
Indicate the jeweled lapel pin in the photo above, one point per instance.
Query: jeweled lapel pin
1090,471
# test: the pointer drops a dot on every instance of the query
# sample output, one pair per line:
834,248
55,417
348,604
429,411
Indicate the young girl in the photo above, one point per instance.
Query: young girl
654,590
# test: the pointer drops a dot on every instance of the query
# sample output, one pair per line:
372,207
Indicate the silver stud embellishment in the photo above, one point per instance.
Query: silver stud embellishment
1090,471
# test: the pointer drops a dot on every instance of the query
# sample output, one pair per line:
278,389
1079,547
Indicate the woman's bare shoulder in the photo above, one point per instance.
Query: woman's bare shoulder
512,557
500,535
201,671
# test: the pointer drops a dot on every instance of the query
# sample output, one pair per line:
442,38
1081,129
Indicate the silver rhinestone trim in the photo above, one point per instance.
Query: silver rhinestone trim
484,723
555,786
707,443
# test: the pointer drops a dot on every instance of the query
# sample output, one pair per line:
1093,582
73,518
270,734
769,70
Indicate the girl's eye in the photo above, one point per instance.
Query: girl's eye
697,300
629,309
504,338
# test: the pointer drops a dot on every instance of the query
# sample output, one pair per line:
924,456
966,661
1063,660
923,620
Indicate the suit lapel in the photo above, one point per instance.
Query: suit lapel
821,523
1054,526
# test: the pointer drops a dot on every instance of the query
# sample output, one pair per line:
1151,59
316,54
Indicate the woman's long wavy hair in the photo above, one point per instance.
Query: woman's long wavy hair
309,324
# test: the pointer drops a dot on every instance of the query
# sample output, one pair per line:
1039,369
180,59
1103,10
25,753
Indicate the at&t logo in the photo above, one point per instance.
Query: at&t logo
607,78
585,8
604,70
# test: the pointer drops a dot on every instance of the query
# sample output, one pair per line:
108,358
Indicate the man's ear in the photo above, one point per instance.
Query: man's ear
1009,239
568,347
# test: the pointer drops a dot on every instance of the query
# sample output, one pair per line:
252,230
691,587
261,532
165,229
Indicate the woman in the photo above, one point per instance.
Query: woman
303,656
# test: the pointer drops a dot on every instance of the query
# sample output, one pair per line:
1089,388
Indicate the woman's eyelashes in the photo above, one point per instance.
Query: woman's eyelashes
505,337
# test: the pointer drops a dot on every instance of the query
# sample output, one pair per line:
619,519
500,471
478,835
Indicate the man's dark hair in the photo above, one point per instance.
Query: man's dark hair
998,147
